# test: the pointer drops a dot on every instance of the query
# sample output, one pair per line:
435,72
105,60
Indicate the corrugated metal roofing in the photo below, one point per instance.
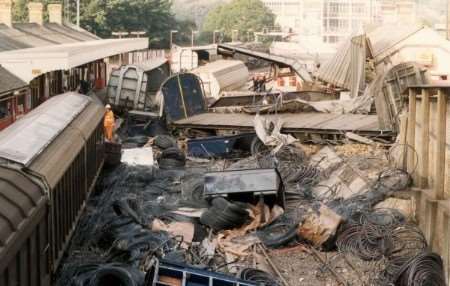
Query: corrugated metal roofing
28,137
9,82
30,63
72,32
346,68
28,35
43,33
337,70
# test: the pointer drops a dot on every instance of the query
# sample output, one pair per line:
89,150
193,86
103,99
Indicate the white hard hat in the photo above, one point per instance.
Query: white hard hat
108,106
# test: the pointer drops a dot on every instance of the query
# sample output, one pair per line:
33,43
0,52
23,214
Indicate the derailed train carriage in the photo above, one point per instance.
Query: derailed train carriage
49,162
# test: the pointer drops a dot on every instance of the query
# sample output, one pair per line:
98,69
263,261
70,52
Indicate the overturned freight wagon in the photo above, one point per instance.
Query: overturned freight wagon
222,75
134,87
185,108
49,162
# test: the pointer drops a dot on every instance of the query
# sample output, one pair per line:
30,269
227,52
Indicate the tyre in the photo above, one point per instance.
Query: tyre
113,276
281,238
168,163
220,203
165,142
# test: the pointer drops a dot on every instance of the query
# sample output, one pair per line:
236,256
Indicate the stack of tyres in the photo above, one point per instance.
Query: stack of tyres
225,215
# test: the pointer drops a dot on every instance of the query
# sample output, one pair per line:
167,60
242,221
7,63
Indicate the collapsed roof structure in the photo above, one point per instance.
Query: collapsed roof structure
380,62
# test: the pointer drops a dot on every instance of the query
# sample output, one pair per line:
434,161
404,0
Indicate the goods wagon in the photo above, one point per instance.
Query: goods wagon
49,162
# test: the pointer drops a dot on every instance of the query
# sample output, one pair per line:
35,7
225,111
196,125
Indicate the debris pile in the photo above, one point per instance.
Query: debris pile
237,220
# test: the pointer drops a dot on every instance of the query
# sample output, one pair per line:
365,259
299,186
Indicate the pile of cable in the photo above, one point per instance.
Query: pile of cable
130,243
426,268
171,158
260,277
113,274
225,215
127,238
287,157
369,235
387,183
278,233
366,242
408,243
393,180
304,176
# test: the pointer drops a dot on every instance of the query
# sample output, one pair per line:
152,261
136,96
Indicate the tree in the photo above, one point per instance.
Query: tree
20,11
103,17
194,10
241,15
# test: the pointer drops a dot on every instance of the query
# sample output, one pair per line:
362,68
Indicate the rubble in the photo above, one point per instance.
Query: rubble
148,213
233,192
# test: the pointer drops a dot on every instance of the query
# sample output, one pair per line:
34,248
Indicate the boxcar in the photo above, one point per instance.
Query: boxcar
49,162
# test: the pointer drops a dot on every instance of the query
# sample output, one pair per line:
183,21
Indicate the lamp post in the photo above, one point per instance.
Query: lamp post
78,14
192,37
171,37
214,36
233,33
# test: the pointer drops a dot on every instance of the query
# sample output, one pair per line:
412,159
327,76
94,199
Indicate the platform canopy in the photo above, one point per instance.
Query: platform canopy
29,63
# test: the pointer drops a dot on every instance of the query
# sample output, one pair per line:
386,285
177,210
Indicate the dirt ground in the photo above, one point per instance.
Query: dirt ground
302,268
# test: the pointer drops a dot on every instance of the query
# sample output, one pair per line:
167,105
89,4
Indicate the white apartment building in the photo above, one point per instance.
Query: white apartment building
289,13
342,18
334,20
312,18
397,11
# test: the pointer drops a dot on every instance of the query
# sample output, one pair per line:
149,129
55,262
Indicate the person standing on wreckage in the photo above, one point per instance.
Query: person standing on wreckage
109,123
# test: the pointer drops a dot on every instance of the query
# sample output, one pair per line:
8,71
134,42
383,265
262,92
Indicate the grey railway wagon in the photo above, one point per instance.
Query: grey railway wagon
49,162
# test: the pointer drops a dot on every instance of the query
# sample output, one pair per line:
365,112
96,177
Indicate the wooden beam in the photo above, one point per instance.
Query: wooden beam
441,123
417,194
430,222
425,139
445,246
411,141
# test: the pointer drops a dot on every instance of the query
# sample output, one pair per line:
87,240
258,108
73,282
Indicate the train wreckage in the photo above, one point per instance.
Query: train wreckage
334,179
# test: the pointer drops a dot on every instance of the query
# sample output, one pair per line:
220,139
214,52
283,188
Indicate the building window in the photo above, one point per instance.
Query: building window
5,109
21,107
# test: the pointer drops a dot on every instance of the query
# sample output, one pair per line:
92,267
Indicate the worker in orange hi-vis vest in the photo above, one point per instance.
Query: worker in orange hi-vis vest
109,123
